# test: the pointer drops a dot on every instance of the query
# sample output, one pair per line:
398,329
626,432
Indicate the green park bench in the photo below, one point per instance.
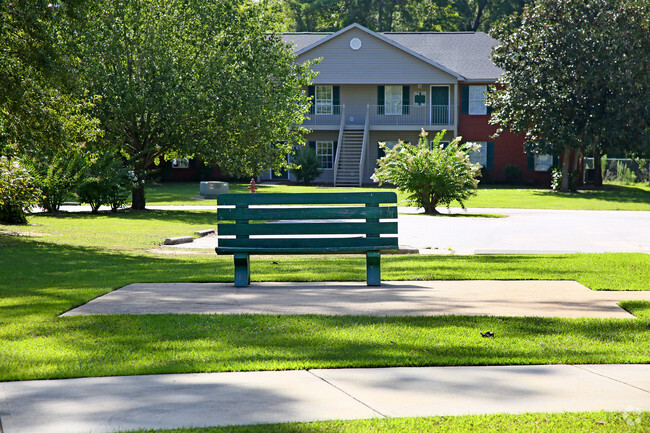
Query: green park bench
339,223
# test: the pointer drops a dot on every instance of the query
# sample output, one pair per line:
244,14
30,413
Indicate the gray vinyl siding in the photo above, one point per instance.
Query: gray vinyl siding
376,62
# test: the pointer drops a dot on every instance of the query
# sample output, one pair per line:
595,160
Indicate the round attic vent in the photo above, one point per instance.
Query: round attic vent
355,43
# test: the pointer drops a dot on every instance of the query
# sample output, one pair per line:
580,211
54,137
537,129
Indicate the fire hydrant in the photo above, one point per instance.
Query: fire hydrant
252,185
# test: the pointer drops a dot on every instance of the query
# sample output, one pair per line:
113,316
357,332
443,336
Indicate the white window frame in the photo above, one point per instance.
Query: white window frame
479,156
393,100
543,162
324,103
476,100
325,153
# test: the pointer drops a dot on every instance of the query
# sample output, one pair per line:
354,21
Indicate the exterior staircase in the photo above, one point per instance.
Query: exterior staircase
350,148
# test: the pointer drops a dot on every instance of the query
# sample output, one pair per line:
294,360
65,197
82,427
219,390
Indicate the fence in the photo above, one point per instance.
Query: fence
624,170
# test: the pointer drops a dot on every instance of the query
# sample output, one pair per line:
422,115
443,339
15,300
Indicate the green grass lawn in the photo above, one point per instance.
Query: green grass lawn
614,197
587,422
57,263
62,262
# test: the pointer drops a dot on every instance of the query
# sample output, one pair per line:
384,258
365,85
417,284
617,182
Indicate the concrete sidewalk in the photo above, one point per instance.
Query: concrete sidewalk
392,298
107,404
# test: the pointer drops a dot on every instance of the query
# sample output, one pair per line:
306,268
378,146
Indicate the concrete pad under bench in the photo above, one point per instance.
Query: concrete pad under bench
399,298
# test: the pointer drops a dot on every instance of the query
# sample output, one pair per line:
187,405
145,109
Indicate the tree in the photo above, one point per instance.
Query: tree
575,77
41,109
399,15
433,174
193,78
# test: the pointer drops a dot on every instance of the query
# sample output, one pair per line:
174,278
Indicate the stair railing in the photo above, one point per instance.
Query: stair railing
362,158
340,143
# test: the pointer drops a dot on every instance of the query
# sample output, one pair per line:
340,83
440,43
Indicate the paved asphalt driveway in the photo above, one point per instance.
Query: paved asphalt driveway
528,231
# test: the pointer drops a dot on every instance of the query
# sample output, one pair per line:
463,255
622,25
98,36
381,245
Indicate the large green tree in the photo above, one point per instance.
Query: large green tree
193,78
41,109
400,15
575,77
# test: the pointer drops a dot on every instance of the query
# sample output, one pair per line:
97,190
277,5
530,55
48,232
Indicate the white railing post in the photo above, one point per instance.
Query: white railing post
364,145
339,142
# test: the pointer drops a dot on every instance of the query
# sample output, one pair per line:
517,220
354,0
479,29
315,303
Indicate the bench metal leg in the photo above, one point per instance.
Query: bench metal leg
242,270
373,268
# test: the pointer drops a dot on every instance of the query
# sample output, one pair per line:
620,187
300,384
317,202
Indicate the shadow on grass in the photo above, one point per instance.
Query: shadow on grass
157,344
184,216
618,193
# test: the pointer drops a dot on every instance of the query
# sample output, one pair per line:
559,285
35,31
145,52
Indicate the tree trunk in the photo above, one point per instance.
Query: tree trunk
564,187
137,197
598,170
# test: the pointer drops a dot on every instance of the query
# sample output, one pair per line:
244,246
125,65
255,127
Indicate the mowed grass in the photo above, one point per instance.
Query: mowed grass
63,262
613,197
582,422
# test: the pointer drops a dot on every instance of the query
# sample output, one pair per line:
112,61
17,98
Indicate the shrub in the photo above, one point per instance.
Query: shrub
309,165
556,180
17,191
433,174
513,174
106,182
624,174
58,175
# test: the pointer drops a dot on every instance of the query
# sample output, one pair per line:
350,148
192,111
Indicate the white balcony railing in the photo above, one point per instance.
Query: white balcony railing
331,118
412,115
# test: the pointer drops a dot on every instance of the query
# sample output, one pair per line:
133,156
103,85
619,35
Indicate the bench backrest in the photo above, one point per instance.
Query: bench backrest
291,216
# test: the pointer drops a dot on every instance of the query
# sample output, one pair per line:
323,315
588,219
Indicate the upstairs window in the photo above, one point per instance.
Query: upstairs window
393,100
324,99
477,100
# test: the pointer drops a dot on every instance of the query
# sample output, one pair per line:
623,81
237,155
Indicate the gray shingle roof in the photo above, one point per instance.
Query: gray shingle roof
466,53
302,40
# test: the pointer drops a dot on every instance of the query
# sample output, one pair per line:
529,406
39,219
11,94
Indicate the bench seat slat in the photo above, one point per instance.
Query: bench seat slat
314,244
300,213
308,228
308,198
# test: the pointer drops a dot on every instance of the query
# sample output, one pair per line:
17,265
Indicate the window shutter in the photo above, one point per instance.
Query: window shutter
381,99
464,103
556,161
490,155
530,161
336,145
406,96
311,92
312,144
336,97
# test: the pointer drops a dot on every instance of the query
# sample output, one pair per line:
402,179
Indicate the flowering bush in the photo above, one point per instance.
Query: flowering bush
17,191
433,174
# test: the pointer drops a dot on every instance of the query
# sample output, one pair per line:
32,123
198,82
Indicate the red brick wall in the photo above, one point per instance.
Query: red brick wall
508,148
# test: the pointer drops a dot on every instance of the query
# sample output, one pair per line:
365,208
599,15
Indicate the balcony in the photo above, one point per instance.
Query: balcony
385,116
411,115
329,115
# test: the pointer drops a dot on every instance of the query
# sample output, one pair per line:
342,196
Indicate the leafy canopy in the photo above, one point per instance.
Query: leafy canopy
193,78
433,174
575,75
